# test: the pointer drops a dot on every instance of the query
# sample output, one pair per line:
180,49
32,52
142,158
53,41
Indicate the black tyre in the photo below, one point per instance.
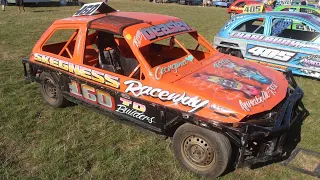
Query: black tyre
201,151
50,92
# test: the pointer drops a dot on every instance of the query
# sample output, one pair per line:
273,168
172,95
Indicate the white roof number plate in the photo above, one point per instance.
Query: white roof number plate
88,9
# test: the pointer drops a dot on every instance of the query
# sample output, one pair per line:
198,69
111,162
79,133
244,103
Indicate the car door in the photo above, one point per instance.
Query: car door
289,46
104,88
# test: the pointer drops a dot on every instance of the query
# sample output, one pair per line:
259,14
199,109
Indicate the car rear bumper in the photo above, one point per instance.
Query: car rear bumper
28,69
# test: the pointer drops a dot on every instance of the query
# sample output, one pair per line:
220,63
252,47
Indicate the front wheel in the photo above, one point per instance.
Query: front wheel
50,91
201,151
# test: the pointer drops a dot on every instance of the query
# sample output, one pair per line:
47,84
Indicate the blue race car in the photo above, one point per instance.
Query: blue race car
223,3
281,40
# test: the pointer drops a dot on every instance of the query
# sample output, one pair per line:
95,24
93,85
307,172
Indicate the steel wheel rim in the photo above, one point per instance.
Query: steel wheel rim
198,152
50,91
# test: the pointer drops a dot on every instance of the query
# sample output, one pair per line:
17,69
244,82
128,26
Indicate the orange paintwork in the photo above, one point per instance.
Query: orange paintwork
196,78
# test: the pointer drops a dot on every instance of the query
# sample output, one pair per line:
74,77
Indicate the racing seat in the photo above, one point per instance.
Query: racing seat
112,59
108,59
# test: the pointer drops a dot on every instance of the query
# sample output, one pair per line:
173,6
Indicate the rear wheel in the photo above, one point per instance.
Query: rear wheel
201,151
50,91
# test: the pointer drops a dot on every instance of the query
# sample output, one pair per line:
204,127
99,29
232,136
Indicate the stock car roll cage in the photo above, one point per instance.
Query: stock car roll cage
270,139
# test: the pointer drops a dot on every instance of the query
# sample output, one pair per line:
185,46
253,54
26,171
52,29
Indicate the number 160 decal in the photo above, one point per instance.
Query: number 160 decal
92,95
271,53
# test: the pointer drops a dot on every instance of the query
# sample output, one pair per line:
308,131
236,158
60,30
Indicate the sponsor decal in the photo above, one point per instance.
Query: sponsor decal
221,63
161,30
264,95
310,73
236,8
160,71
138,38
234,18
134,109
275,66
270,53
275,40
284,2
84,72
311,61
137,89
92,95
220,109
246,72
303,27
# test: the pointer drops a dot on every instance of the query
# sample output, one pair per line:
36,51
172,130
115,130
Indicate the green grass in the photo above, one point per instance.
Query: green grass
39,142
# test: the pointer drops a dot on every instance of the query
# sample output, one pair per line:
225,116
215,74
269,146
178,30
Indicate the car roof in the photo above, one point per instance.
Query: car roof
116,21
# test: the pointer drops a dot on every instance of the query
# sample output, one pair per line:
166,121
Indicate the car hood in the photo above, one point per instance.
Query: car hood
233,85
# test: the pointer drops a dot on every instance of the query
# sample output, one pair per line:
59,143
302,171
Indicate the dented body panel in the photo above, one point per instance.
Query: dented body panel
205,88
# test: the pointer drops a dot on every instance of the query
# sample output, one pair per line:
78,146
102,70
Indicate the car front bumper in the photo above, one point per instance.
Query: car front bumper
265,143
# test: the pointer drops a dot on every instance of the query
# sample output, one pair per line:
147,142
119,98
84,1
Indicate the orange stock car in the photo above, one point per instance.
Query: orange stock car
157,72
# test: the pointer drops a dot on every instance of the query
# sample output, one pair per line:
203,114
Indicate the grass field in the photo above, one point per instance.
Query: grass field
39,142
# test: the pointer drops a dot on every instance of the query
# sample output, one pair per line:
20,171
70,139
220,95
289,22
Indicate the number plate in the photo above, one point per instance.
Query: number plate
88,9
256,8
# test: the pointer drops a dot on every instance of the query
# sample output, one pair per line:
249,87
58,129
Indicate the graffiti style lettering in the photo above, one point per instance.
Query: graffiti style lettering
84,72
159,72
137,111
92,95
265,95
161,30
137,89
